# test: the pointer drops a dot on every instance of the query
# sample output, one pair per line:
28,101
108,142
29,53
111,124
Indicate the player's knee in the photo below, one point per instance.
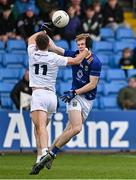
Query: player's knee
77,129
40,128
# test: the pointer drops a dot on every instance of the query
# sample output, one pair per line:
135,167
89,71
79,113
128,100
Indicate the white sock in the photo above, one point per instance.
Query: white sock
38,158
44,151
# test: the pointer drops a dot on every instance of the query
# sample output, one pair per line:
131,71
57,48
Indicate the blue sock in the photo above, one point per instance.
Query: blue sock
55,150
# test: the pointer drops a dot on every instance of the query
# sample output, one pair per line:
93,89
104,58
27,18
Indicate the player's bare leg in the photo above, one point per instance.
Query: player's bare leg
49,163
38,146
73,128
57,139
39,151
40,122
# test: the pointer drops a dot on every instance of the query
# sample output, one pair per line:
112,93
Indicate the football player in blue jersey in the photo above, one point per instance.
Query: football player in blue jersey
79,97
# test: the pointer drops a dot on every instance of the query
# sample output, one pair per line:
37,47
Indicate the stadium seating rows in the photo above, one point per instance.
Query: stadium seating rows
14,60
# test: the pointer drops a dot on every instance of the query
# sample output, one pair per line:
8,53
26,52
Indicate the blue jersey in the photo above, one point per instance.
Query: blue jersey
81,73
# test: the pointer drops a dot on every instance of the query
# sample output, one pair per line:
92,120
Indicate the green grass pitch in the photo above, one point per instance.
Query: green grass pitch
71,166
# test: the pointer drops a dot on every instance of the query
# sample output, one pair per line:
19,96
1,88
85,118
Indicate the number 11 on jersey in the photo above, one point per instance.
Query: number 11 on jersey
37,68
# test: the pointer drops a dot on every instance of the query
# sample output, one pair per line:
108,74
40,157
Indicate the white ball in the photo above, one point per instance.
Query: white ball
60,19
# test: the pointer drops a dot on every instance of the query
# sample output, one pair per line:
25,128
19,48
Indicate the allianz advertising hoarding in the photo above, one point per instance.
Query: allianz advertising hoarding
107,130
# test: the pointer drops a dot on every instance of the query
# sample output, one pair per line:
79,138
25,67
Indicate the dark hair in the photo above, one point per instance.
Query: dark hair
133,77
127,50
96,2
42,41
6,7
68,6
90,7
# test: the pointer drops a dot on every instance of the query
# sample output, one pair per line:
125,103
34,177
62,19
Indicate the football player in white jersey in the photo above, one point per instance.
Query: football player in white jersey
43,68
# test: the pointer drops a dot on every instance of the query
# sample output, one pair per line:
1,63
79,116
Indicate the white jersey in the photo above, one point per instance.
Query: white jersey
43,67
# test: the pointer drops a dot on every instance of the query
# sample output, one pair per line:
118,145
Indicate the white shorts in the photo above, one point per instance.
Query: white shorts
44,100
80,103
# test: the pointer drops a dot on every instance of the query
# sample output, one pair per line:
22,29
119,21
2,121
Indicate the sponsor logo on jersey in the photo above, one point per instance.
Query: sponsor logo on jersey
74,103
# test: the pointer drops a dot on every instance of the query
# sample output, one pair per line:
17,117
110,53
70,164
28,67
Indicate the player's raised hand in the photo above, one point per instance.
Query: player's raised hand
47,26
68,96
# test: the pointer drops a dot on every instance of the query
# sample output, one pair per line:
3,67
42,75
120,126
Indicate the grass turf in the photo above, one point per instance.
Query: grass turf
71,166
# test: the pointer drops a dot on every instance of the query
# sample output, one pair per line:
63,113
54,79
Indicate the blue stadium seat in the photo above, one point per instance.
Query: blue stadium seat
2,46
131,72
118,46
62,43
96,104
14,60
103,75
10,75
67,74
73,45
62,105
5,89
6,103
99,89
114,63
104,60
26,60
57,87
112,89
115,74
107,34
102,47
124,34
16,46
108,103
1,60
60,74
65,86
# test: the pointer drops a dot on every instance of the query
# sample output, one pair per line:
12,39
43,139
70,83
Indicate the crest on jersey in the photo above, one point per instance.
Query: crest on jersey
86,68
74,103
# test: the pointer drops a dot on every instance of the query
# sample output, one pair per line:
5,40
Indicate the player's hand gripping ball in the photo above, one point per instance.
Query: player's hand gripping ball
60,19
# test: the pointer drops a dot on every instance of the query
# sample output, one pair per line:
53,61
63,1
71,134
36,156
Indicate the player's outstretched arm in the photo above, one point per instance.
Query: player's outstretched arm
31,39
54,48
79,58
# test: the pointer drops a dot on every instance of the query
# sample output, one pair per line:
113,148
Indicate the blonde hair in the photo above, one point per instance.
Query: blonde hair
82,36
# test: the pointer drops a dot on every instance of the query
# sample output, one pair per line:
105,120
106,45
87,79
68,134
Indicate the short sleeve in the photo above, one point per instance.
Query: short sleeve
61,60
95,68
31,48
